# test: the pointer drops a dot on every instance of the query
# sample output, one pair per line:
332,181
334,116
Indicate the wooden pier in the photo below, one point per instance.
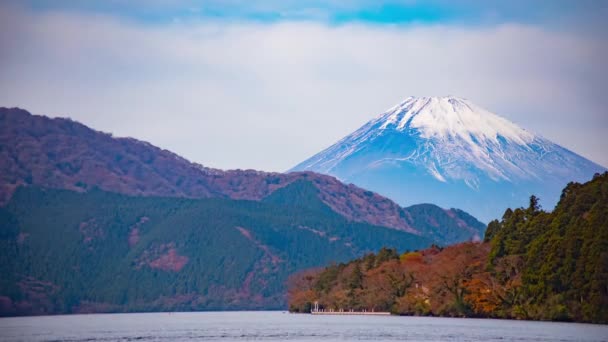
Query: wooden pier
318,311
360,313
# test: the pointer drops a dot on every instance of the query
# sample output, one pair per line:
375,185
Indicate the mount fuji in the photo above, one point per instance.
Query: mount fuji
450,152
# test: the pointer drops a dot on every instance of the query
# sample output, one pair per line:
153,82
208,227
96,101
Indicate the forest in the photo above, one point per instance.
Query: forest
72,252
533,264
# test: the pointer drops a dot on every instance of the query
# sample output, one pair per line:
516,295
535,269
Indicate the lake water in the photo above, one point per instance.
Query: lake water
281,326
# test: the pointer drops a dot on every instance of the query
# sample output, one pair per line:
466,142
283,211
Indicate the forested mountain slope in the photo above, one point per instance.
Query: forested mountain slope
64,252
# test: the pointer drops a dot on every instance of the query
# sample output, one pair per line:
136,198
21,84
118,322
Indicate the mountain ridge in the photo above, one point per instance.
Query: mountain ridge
62,153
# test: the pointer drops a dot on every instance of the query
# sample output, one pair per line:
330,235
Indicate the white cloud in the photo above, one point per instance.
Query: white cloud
266,96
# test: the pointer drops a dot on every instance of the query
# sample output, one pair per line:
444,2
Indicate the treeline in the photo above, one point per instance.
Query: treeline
532,264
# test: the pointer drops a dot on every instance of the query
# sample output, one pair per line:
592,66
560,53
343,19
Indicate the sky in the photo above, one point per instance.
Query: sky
266,84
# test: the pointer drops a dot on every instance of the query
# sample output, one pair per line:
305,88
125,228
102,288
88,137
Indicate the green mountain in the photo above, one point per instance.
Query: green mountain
63,251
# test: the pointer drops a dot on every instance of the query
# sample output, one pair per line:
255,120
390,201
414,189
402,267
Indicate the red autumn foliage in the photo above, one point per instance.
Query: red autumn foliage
452,281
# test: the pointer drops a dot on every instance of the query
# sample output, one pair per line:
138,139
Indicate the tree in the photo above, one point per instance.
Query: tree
356,278
491,230
534,206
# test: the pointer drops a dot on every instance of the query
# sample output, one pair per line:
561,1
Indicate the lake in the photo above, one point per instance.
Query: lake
281,326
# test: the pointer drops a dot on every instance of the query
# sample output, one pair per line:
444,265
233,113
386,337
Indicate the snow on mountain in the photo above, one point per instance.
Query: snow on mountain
448,151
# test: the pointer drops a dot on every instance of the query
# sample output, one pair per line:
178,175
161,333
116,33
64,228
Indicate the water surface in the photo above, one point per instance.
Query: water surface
281,326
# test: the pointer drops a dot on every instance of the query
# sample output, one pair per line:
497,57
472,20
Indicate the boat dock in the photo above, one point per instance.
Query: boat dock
361,313
318,311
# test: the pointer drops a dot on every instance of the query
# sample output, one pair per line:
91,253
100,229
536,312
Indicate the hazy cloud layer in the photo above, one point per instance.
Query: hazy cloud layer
268,95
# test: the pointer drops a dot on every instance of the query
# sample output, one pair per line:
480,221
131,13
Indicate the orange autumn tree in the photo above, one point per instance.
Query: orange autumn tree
300,294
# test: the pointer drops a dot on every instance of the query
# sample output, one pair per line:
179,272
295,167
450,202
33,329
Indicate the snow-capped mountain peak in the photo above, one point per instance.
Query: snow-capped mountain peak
436,149
450,117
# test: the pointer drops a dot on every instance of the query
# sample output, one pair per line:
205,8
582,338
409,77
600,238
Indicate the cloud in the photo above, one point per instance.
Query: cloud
243,94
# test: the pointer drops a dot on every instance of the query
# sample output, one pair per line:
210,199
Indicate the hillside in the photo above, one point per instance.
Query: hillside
64,154
453,153
67,252
533,265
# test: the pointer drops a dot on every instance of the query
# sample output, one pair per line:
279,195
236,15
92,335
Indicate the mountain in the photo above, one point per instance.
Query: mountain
63,251
94,223
448,151
533,265
64,154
